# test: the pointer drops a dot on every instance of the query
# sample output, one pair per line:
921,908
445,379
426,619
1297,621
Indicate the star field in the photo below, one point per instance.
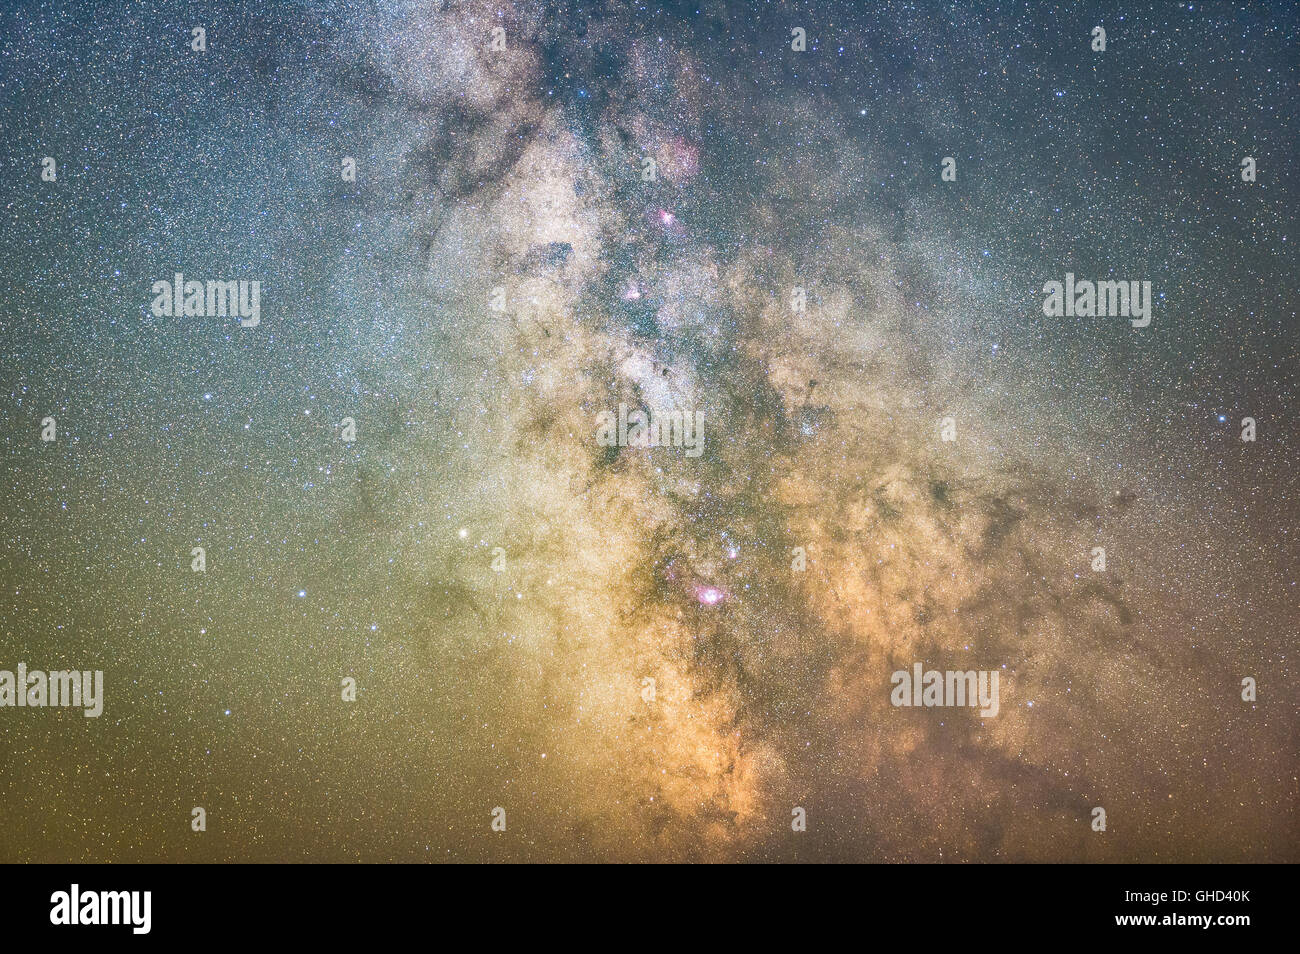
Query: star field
612,643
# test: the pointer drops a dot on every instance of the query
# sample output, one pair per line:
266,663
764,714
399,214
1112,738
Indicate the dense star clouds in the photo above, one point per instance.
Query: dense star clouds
507,591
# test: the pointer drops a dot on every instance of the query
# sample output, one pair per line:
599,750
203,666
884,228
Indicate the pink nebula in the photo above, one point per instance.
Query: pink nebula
709,595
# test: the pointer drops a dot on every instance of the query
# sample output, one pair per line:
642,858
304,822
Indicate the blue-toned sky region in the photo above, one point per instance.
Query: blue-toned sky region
524,688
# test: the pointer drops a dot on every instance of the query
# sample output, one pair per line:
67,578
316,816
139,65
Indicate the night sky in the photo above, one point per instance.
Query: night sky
500,585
